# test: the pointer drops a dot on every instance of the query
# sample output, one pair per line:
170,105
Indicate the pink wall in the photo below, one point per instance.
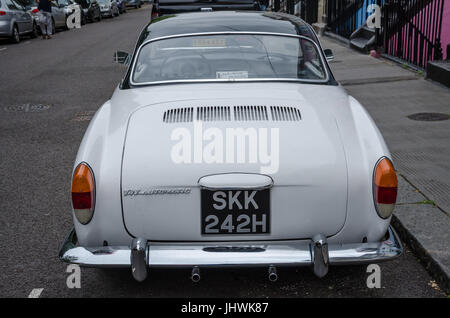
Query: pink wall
427,17
445,34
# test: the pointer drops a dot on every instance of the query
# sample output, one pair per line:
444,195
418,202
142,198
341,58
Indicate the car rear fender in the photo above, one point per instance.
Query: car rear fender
101,148
364,146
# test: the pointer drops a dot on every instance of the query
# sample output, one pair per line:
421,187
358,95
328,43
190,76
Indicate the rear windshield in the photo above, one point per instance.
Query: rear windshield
229,57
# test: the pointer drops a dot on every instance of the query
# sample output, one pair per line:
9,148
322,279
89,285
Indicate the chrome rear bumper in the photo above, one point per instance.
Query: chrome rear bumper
316,253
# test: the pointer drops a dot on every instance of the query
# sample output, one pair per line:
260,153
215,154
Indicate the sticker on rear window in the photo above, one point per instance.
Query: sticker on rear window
232,74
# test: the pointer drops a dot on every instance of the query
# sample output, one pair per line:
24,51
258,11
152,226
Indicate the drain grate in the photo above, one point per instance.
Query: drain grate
26,108
84,116
429,116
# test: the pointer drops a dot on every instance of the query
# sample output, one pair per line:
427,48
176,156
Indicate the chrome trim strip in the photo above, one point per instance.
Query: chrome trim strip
243,80
231,254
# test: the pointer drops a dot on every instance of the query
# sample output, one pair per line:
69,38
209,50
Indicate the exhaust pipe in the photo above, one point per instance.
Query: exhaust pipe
273,276
195,275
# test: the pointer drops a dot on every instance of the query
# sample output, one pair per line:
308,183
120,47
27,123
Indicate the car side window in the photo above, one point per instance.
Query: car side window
18,5
10,5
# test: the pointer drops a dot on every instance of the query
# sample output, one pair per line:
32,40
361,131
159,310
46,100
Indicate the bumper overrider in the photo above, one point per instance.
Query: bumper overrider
317,253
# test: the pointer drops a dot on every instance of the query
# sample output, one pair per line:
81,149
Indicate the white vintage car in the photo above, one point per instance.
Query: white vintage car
229,142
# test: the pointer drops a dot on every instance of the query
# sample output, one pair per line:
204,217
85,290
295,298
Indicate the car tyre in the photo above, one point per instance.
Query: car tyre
66,26
53,26
99,17
83,19
15,37
34,33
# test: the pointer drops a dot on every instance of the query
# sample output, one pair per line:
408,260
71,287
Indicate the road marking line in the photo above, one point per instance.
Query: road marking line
2,48
35,293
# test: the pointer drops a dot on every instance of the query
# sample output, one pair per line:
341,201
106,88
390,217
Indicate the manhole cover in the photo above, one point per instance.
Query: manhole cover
429,116
27,108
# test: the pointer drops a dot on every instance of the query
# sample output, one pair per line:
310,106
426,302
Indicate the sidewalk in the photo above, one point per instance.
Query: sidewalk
420,149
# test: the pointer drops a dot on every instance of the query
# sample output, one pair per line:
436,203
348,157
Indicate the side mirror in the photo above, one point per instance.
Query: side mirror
329,54
121,57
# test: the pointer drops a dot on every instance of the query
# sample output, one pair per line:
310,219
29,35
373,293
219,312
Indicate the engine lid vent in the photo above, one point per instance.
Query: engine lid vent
214,113
178,115
282,113
238,113
246,113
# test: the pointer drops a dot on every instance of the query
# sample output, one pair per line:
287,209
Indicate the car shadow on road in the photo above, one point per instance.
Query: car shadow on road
236,282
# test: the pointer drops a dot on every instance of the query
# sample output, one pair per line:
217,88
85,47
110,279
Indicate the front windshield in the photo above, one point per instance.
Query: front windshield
104,1
229,57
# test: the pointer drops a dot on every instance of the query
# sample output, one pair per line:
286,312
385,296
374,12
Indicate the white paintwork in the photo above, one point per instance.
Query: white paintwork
335,132
312,167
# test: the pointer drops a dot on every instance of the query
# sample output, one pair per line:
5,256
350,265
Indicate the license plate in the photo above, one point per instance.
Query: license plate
235,211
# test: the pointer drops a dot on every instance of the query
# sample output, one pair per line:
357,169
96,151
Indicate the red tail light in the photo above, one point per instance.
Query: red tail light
385,187
83,193
35,10
2,12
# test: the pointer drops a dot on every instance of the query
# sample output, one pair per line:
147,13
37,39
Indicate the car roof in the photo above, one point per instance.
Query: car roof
225,21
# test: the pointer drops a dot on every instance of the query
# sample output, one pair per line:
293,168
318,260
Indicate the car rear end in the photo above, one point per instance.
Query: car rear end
196,215
6,20
32,8
231,149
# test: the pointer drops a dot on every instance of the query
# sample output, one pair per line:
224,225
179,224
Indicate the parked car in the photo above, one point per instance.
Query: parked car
91,10
68,7
179,6
108,8
230,143
121,4
58,14
134,3
15,21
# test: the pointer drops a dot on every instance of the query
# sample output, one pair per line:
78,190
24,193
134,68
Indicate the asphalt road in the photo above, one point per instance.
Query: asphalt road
49,90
